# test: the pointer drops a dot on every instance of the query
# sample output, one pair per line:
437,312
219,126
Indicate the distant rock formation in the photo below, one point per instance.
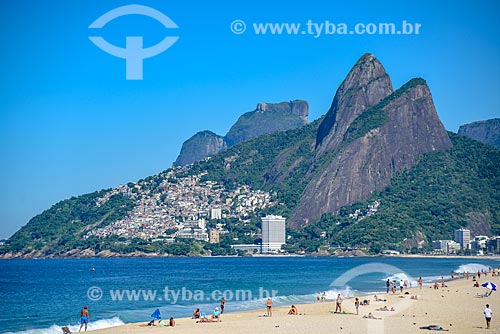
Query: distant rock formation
200,146
266,118
373,134
487,132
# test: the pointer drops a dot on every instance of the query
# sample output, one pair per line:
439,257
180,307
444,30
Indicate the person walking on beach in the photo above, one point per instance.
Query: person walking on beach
338,304
356,305
84,315
388,284
487,314
420,282
269,305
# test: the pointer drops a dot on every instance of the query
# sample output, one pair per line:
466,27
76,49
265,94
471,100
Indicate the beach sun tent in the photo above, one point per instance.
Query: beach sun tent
156,314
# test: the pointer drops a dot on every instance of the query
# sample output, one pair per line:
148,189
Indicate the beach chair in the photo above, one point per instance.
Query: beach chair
66,330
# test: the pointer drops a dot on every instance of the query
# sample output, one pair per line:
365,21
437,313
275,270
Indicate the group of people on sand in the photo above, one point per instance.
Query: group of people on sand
162,323
397,285
214,317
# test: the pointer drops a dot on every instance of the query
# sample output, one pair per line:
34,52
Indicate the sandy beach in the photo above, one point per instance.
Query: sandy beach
457,308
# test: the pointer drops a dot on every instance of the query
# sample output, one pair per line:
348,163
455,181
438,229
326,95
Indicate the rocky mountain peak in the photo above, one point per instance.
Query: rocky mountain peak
383,140
487,132
366,84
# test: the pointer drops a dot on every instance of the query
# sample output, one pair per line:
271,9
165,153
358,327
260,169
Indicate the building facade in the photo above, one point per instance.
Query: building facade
462,237
273,233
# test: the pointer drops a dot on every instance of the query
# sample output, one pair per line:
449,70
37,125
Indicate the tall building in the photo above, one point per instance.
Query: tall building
216,213
462,236
214,236
273,233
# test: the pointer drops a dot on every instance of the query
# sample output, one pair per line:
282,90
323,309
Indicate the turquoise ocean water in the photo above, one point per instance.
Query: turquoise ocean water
40,296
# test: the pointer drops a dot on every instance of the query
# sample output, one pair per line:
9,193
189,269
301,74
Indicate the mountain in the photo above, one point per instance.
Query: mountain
487,132
377,170
203,144
266,118
383,140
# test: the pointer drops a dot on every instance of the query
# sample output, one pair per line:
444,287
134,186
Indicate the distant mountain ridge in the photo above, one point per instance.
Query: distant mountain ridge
378,170
487,131
266,118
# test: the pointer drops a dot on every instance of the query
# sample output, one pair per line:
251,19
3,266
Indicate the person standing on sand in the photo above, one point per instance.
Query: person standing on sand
420,282
222,304
356,305
269,305
487,314
84,314
388,284
339,304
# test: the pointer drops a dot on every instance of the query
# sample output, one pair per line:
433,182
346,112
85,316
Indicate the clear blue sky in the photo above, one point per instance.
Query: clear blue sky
70,123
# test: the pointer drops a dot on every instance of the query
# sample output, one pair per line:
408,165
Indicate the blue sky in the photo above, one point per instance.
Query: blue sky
70,123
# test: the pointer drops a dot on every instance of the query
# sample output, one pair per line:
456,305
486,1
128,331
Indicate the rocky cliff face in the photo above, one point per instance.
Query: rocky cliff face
366,84
266,118
487,132
200,146
387,138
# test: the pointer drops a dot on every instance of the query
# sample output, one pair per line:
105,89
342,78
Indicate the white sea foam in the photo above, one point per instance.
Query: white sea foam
472,268
99,324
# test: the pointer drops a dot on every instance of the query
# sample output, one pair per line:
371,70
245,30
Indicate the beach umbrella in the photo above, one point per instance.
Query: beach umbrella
490,285
156,314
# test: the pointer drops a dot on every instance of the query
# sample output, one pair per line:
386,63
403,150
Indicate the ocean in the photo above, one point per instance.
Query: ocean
40,296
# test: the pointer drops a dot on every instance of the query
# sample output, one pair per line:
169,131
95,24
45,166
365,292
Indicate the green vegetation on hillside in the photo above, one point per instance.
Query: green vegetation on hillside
276,161
427,202
63,225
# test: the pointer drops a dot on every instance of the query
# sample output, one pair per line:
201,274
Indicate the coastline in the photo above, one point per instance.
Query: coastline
154,255
457,307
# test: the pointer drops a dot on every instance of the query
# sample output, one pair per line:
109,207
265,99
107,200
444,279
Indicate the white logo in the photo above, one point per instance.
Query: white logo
133,53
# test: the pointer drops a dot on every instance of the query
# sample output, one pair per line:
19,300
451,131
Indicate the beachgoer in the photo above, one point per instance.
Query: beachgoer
196,314
323,296
171,322
222,304
401,285
269,305
338,304
370,316
216,314
388,284
356,305
487,314
318,298
293,311
85,317
420,282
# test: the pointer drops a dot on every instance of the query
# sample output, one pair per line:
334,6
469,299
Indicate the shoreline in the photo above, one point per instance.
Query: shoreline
456,307
156,256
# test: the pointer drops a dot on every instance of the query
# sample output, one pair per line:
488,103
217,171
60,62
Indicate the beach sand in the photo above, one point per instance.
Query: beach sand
457,308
